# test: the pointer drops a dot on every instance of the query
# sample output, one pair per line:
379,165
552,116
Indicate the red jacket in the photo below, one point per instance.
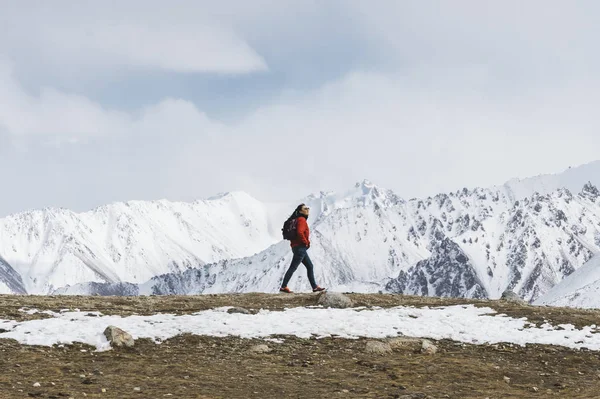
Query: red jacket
303,233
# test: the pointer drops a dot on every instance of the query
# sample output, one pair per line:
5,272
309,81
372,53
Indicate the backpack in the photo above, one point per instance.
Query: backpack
289,229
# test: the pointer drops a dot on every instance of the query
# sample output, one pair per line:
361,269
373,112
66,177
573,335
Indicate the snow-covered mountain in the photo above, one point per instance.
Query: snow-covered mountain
581,289
473,243
127,242
572,179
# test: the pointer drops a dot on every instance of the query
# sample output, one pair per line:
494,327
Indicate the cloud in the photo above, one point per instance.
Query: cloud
434,100
417,138
53,113
471,31
387,128
89,37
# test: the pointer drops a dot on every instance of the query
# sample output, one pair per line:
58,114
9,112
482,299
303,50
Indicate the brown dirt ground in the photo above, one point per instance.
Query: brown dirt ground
206,367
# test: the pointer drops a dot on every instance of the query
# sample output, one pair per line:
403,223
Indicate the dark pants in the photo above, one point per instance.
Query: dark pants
300,256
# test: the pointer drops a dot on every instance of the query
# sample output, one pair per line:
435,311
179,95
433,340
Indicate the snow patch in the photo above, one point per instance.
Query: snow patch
464,323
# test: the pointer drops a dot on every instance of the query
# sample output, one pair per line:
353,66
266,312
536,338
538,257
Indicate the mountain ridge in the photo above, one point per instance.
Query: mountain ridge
433,246
130,241
367,238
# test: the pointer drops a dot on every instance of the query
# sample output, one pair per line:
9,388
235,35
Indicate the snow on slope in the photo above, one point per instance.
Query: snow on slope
581,289
132,241
572,179
469,243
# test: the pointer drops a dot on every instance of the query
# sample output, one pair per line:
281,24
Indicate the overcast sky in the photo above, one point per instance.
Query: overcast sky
104,101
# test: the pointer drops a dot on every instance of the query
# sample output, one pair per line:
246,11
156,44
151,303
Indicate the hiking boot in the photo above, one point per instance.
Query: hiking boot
318,289
285,289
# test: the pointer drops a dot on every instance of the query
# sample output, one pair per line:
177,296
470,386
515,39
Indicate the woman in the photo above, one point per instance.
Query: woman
300,245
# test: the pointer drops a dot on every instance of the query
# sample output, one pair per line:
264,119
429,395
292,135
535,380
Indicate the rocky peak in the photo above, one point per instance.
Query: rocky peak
590,192
447,273
366,193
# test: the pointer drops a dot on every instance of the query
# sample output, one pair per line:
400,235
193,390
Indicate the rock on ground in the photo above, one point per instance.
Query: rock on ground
377,347
510,296
334,300
238,310
405,342
428,347
118,337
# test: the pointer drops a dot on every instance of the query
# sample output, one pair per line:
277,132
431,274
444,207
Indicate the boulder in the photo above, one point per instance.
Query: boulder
334,300
118,337
378,347
510,296
428,347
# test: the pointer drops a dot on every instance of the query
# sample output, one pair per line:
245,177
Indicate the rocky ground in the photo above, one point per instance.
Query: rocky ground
207,367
